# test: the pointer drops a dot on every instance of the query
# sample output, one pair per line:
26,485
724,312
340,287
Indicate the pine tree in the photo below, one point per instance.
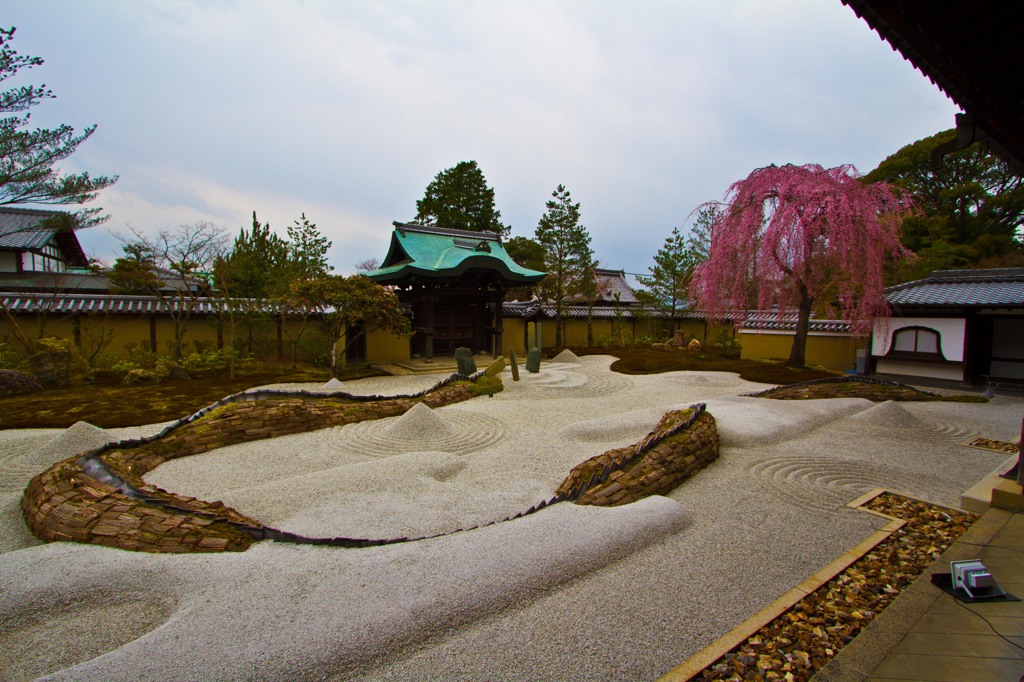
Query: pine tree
459,198
669,282
28,157
569,260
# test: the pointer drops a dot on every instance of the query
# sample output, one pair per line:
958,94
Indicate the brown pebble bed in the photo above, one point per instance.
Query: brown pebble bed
802,640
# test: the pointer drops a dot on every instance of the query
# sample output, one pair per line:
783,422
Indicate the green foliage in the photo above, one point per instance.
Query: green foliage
140,355
124,366
350,307
307,250
486,385
728,344
133,271
669,281
568,259
969,213
529,254
28,157
459,198
255,264
9,357
211,358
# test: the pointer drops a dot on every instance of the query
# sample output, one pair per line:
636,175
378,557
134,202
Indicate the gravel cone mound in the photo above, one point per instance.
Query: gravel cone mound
892,415
566,356
419,423
78,438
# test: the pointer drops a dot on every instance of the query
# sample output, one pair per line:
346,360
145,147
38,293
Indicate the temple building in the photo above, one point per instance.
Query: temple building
454,282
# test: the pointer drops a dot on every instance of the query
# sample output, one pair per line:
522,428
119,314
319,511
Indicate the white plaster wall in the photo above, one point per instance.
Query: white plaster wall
920,369
952,332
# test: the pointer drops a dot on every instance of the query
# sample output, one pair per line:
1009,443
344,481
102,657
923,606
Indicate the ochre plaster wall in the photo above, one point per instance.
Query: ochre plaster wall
832,351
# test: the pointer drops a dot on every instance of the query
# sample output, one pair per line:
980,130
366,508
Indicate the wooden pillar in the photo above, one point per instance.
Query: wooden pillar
152,333
428,324
499,320
279,324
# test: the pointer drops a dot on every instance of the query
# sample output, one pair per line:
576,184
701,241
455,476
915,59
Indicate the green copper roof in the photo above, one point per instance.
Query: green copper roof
422,251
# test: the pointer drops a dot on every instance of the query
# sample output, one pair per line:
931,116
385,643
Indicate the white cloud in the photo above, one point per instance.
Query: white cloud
347,110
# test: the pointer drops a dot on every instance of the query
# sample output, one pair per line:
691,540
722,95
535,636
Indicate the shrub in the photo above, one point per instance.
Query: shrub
9,357
727,344
124,366
140,354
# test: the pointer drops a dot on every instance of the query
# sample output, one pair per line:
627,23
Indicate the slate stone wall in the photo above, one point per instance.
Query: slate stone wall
80,500
673,452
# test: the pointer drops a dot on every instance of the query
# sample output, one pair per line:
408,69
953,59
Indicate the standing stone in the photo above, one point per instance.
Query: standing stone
514,363
466,362
533,360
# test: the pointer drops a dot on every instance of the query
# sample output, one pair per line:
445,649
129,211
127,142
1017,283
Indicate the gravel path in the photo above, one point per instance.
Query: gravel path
568,593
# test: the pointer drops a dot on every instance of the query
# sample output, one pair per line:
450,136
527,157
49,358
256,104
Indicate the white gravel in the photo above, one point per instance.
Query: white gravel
568,593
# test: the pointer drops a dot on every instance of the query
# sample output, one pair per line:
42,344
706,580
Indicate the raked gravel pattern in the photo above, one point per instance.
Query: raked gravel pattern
571,592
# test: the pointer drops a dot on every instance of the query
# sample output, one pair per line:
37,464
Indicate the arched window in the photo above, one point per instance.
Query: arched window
918,342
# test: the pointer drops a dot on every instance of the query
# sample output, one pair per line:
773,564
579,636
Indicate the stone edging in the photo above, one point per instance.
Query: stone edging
101,498
683,443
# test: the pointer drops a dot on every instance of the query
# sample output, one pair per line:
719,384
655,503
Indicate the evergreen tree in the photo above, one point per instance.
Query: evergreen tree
28,157
529,254
970,209
669,281
568,260
307,250
254,267
459,198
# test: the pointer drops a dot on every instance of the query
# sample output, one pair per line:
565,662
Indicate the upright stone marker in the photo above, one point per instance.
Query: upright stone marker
466,361
533,360
514,363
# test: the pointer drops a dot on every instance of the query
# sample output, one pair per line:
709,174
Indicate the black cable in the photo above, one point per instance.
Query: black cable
989,624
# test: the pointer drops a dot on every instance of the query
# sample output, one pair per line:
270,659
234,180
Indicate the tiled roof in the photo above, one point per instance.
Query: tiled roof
422,251
18,229
95,303
530,309
611,282
774,321
996,287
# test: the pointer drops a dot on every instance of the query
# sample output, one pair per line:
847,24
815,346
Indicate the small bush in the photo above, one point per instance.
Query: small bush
9,357
140,354
209,359
727,344
124,366
105,360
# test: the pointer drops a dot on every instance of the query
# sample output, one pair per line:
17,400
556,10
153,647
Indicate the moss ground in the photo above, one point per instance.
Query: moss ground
643,360
108,404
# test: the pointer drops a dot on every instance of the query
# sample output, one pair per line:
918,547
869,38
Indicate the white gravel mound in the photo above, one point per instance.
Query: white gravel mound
745,422
566,356
419,423
78,438
891,415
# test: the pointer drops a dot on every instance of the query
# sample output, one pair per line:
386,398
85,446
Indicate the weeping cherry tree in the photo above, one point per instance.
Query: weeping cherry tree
805,238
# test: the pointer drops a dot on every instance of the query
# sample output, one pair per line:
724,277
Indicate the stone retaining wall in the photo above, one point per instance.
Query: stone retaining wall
673,452
101,498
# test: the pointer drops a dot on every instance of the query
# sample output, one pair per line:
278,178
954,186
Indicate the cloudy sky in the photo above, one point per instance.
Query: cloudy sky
346,110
